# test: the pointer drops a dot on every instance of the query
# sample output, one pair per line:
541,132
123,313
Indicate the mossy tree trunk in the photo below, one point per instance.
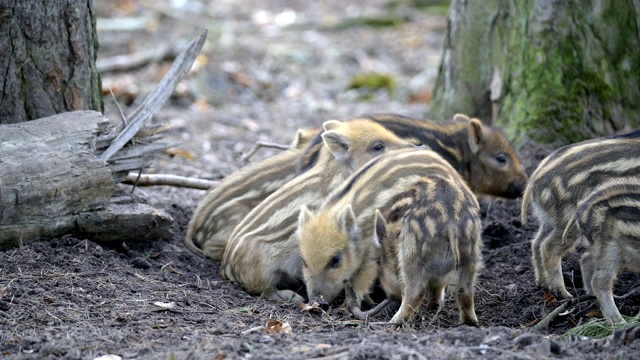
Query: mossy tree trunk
48,59
555,71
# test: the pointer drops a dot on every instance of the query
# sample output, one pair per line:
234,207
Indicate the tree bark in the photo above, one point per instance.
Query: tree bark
48,60
555,71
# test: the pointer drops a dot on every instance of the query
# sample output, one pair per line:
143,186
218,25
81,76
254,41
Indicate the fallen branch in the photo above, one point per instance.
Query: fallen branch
253,329
629,294
544,323
364,315
257,146
169,180
353,307
136,60
158,96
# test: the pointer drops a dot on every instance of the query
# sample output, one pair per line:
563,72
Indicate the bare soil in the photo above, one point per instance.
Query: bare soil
268,68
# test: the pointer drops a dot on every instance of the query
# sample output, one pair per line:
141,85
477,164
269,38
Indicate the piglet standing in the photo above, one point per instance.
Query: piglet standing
434,233
608,219
431,240
559,183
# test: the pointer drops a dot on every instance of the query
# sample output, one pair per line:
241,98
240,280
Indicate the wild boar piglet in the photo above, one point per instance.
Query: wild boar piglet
608,219
479,153
431,239
262,253
560,182
337,241
224,206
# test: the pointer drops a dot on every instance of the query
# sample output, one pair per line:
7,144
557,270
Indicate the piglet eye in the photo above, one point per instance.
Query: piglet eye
335,261
378,146
501,158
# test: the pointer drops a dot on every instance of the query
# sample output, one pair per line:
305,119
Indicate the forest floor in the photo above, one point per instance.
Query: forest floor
267,69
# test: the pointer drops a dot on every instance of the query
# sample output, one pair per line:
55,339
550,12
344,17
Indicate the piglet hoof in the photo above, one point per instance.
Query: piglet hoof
472,323
323,304
561,294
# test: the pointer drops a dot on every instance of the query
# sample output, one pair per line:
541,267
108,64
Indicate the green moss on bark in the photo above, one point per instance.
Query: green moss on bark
560,71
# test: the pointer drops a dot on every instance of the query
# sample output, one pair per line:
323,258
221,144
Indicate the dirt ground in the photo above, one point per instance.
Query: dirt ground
268,68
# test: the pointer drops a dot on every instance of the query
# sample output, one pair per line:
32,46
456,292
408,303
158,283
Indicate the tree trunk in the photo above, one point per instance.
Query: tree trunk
48,59
556,71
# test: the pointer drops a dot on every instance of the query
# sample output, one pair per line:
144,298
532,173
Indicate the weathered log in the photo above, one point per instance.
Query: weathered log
58,174
53,183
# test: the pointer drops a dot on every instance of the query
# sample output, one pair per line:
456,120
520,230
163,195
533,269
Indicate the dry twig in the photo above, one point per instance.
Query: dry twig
544,323
170,180
135,60
260,144
158,97
352,305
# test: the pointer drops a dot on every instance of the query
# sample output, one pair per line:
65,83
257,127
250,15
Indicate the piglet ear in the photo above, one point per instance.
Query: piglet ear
460,118
302,139
331,125
380,226
476,135
348,223
304,216
337,143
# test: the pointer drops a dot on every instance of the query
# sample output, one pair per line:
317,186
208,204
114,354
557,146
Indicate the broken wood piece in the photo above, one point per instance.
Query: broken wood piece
57,178
50,172
544,323
124,222
137,59
158,96
52,184
169,180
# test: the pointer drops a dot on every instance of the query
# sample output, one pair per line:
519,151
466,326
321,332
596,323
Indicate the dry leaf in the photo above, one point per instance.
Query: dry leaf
312,307
549,298
4,291
173,152
277,327
593,314
421,97
243,79
170,305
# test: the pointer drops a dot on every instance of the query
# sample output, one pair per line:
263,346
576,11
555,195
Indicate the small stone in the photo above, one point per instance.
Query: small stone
524,340
542,348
